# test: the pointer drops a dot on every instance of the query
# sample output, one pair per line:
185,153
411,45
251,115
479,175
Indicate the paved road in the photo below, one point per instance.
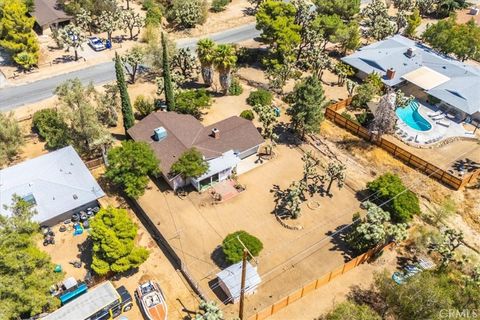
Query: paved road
13,97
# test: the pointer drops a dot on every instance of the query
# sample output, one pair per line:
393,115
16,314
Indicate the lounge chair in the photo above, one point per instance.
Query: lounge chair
434,113
443,123
439,117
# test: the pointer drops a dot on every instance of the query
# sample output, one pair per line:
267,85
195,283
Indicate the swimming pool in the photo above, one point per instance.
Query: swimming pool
412,117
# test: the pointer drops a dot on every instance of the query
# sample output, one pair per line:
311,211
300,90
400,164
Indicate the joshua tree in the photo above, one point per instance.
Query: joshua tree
131,20
72,37
266,115
132,60
206,54
83,19
225,60
335,172
294,199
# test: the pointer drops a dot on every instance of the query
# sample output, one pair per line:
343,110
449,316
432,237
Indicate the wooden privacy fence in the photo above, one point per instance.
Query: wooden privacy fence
398,152
91,164
315,284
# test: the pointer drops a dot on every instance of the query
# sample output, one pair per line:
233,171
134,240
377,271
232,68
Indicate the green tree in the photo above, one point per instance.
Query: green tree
350,310
52,127
191,164
87,134
268,119
346,9
276,20
233,247
402,203
154,16
127,112
113,235
129,166
375,229
335,172
11,137
144,106
192,102
131,20
376,21
16,33
450,240
225,60
107,105
260,97
423,296
109,21
131,60
167,79
308,107
413,22
206,54
26,271
72,37
83,19
185,65
187,14
247,114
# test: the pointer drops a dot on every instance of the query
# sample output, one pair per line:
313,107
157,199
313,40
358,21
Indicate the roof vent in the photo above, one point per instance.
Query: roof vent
390,74
410,52
159,134
75,197
216,133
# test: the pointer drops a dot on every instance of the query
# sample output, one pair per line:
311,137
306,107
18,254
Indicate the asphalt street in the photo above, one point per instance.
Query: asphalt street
17,96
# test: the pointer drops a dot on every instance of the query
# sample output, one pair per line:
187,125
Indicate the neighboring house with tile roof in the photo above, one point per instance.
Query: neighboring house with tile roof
417,69
223,144
48,14
58,184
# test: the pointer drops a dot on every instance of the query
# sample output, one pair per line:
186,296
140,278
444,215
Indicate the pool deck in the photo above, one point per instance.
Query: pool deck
442,128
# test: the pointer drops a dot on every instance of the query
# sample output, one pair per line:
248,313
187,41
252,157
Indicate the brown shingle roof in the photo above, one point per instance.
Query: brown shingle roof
185,132
47,12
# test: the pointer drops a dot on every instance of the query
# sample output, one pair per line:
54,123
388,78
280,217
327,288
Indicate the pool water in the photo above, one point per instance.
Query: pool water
412,117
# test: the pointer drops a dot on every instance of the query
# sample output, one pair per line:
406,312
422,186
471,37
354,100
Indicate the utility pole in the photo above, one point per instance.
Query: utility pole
242,288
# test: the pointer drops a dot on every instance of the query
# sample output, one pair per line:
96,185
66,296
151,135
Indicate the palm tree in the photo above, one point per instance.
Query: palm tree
206,53
224,60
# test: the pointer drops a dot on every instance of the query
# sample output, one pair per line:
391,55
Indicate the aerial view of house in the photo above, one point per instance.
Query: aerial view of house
239,159
58,184
223,144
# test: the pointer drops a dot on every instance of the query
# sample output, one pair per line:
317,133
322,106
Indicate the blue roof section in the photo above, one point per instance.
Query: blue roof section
58,181
461,91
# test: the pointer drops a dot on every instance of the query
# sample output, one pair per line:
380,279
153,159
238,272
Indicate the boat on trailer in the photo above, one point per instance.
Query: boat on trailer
152,301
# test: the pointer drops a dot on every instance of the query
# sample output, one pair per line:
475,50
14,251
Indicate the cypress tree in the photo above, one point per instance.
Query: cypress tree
127,112
167,79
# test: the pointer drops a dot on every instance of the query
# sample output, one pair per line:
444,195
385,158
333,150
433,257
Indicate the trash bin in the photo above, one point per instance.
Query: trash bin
108,44
277,111
58,268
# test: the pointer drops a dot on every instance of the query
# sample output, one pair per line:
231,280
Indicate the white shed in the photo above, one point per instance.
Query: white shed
230,280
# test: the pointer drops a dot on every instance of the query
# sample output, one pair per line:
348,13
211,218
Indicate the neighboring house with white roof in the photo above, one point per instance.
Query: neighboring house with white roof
419,70
58,184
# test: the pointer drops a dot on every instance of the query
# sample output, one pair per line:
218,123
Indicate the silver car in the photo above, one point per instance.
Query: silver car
96,44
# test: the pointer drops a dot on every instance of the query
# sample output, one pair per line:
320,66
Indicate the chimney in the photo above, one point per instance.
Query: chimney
390,74
410,52
216,133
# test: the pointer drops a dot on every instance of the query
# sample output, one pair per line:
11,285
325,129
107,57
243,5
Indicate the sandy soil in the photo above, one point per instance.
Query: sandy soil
324,299
289,258
157,267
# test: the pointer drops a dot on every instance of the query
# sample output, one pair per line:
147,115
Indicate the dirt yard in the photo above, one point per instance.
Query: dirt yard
324,299
195,227
178,294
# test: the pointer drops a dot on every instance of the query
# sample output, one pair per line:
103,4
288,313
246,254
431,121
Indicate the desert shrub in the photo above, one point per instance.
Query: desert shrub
347,115
154,15
405,203
219,5
260,97
188,13
192,102
250,55
233,249
365,94
51,127
144,106
247,114
236,88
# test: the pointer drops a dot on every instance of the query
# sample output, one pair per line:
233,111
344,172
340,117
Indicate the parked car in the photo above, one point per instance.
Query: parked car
96,44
